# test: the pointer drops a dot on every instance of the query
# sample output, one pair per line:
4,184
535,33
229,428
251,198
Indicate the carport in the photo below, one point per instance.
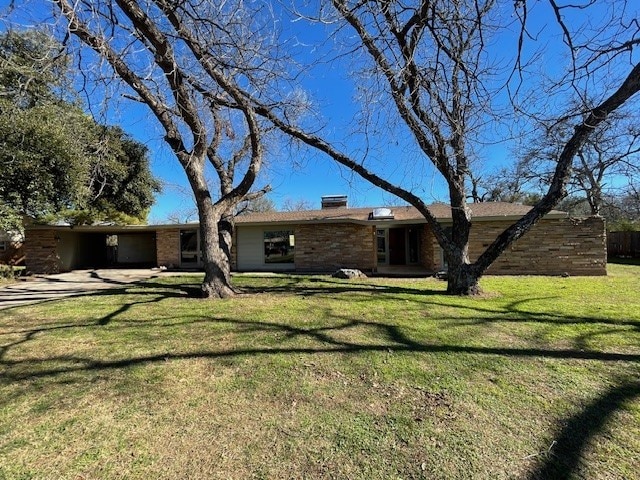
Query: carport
65,248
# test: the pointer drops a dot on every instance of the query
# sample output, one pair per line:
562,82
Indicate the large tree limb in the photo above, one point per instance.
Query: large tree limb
557,190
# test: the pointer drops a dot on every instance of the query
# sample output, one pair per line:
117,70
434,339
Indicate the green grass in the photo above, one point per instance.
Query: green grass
313,377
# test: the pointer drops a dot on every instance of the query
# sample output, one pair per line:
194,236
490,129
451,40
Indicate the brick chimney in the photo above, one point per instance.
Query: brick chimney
334,201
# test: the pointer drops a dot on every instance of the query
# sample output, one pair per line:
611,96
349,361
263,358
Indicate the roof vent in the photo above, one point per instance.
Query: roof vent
334,201
381,214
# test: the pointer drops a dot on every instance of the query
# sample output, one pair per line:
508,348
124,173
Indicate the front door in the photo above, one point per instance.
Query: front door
397,246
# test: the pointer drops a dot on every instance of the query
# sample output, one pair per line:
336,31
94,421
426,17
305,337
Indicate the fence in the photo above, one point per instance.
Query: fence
623,244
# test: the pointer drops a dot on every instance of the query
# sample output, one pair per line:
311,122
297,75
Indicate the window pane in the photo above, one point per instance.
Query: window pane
189,246
279,246
382,246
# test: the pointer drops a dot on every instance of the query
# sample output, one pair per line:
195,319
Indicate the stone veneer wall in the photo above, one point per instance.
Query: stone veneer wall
40,249
325,247
551,247
168,247
429,249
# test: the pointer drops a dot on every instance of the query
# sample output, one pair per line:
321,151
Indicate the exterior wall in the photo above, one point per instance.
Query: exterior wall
40,248
429,249
67,250
552,247
137,248
168,247
326,247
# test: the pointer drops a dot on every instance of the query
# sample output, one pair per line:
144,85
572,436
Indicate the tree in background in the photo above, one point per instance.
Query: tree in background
296,205
57,162
605,170
260,204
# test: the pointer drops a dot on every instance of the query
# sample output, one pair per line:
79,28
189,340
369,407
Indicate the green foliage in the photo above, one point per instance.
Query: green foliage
624,225
10,221
58,163
42,154
7,272
33,68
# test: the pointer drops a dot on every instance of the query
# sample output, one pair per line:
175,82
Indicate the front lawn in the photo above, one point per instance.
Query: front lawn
313,377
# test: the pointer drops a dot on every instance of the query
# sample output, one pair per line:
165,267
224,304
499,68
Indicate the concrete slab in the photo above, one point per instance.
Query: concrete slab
42,288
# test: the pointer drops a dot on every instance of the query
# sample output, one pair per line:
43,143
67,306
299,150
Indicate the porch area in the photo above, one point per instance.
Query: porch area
403,271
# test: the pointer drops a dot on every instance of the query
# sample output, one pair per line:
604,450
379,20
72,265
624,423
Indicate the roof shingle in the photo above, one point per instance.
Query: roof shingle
480,211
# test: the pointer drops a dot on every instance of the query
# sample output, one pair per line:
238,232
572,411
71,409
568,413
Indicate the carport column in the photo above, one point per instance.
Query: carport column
41,251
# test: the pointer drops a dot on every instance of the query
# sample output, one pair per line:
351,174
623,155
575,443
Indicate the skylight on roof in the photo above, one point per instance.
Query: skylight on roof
381,214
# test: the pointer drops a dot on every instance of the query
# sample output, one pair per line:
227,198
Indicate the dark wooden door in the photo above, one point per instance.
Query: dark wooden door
397,248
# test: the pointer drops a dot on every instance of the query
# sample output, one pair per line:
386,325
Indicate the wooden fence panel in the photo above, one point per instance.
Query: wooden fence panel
623,244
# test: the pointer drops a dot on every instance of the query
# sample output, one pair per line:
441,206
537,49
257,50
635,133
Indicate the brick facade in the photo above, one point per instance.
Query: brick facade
429,249
168,247
551,247
326,247
41,251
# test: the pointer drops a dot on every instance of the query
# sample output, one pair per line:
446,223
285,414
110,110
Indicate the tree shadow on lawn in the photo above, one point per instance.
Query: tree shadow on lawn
157,291
321,286
325,339
325,286
146,288
573,436
571,439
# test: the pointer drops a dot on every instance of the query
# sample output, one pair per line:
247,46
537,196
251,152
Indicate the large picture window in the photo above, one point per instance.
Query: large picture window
279,246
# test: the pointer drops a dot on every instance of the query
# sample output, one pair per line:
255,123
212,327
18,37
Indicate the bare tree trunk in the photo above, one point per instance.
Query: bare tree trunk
225,233
462,279
217,266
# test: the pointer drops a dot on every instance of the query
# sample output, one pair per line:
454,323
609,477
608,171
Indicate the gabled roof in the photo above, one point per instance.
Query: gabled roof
405,214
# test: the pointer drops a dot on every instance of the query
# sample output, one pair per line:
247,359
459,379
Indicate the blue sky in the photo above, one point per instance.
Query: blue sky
306,178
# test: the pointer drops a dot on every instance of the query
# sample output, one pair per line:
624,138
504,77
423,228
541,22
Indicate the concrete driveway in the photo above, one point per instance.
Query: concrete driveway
43,288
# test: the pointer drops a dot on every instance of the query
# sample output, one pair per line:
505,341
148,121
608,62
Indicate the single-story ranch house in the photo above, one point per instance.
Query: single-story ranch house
369,239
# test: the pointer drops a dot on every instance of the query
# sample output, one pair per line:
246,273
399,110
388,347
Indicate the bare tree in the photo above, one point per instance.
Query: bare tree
607,161
296,205
262,204
194,64
444,65
605,167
